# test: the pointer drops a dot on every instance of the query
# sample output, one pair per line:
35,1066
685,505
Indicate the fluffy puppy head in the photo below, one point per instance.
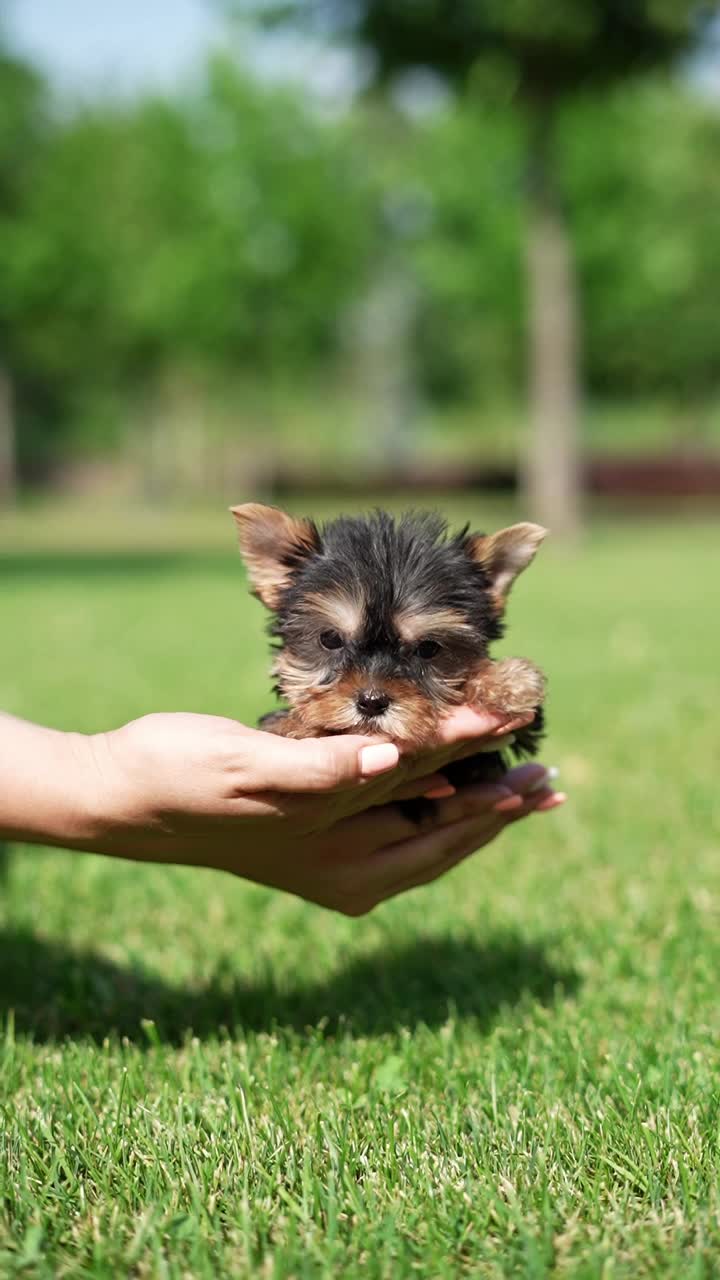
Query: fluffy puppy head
380,624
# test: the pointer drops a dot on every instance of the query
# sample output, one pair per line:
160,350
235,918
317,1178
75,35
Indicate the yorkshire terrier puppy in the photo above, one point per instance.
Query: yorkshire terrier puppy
383,625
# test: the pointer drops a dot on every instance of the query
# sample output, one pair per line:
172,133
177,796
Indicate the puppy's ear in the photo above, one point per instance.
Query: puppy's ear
503,555
273,546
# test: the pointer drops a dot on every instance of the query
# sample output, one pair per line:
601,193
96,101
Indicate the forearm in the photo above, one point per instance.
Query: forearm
46,785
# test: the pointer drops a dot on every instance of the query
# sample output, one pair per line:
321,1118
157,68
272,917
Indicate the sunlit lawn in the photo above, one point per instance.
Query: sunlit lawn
513,1072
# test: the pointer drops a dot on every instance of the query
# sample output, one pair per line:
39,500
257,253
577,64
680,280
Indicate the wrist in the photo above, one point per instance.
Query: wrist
48,785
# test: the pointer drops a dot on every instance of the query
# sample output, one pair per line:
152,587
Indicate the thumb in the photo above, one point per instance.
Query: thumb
315,764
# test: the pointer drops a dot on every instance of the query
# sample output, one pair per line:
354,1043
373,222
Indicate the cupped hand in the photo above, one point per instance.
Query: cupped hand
315,817
375,855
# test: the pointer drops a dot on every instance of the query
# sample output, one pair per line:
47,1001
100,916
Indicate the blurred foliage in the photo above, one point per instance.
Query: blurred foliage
643,178
231,231
645,227
222,231
545,51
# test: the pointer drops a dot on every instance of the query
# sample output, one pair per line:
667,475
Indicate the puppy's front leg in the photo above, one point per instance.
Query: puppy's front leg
512,686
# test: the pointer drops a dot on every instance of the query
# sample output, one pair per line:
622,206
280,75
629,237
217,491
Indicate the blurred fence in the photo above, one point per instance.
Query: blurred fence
662,476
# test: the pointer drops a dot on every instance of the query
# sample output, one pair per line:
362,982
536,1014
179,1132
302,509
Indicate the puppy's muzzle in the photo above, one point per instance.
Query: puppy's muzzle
370,702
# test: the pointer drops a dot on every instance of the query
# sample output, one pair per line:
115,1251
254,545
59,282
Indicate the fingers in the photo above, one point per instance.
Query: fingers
538,802
468,731
414,862
550,800
470,722
463,847
423,858
382,852
376,830
274,764
366,835
427,857
277,764
524,781
524,778
420,787
470,802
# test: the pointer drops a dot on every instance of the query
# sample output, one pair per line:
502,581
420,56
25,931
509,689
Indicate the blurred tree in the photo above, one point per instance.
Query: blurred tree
215,234
241,224
22,133
541,54
648,241
645,232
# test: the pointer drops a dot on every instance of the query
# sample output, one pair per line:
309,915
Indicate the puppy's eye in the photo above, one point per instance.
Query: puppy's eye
427,649
331,640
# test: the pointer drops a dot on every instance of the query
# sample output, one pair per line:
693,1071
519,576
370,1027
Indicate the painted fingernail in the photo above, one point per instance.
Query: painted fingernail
378,759
553,801
440,793
544,780
509,803
546,804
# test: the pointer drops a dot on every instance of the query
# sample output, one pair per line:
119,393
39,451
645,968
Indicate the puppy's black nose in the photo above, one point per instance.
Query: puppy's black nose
372,703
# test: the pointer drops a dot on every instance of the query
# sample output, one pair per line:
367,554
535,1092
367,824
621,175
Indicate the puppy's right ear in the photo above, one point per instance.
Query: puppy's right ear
503,555
273,546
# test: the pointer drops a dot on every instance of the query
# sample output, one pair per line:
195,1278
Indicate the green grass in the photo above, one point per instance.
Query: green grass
514,1072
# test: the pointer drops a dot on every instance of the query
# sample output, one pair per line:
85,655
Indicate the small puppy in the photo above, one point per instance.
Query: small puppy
383,625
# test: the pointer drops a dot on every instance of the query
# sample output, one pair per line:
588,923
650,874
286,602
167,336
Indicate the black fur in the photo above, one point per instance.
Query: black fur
412,564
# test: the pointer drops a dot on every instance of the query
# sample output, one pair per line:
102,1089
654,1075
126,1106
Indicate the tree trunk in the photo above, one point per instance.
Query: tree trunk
385,375
7,441
552,474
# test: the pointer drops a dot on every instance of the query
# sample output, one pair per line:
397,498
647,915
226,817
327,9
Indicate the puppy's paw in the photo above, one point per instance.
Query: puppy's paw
513,686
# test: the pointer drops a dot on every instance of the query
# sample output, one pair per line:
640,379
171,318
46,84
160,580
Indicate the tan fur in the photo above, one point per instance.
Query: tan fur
338,611
505,554
411,719
296,681
510,687
267,536
513,686
412,626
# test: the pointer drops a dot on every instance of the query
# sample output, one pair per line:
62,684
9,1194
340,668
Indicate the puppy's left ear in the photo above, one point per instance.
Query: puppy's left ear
503,555
273,546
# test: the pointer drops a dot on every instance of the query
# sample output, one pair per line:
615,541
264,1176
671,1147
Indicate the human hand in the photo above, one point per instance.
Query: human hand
365,859
314,817
175,773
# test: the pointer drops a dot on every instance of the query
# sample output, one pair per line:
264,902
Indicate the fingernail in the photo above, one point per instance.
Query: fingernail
558,797
440,793
544,780
378,759
546,804
509,803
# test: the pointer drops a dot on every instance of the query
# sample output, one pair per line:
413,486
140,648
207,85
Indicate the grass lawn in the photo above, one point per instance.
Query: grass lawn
515,1072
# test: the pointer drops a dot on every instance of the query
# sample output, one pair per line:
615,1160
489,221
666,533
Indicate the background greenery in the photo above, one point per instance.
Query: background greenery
204,258
513,1072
